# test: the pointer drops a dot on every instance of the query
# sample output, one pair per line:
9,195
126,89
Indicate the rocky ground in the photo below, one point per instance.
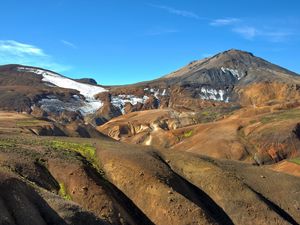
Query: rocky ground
260,135
62,180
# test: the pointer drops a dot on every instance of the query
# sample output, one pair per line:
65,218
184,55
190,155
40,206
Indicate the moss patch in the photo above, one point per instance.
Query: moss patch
88,151
85,149
188,134
63,192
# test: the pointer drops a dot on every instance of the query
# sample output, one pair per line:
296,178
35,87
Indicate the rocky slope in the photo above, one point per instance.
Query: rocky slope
232,76
47,180
260,135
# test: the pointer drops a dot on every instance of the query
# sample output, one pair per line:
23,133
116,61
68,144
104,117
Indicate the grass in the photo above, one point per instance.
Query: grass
63,192
7,143
295,160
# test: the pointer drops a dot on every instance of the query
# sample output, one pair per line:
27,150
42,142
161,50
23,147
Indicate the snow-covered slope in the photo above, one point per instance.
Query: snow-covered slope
90,105
86,90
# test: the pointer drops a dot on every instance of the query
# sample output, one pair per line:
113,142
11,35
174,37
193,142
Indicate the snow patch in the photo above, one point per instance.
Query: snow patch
86,90
52,104
234,72
212,94
120,100
90,105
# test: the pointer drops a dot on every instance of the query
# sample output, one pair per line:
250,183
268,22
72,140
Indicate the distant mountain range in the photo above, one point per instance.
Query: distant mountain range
233,76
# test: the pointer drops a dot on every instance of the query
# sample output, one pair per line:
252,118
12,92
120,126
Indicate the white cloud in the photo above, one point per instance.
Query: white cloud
178,12
246,31
20,49
68,43
251,32
224,22
13,52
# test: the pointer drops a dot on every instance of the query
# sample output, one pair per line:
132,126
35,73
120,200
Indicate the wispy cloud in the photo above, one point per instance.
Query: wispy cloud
14,52
272,35
178,12
250,31
224,22
247,32
68,43
19,49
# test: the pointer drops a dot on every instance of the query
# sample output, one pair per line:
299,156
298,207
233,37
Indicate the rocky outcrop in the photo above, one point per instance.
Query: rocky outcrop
48,130
87,81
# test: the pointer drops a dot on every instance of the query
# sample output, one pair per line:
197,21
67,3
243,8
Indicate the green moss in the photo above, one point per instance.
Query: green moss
188,134
295,160
85,149
88,151
63,192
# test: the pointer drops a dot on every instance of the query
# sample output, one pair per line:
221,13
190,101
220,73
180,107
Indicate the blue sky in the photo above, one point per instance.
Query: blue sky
126,41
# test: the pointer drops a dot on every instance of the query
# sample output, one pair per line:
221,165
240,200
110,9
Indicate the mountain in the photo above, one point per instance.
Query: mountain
232,76
229,77
215,142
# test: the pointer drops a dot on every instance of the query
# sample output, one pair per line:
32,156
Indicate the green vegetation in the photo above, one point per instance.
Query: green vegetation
85,149
295,160
279,116
88,151
188,134
6,143
63,192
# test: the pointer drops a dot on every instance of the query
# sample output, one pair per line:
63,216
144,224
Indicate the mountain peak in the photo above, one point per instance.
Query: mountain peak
235,54
236,51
